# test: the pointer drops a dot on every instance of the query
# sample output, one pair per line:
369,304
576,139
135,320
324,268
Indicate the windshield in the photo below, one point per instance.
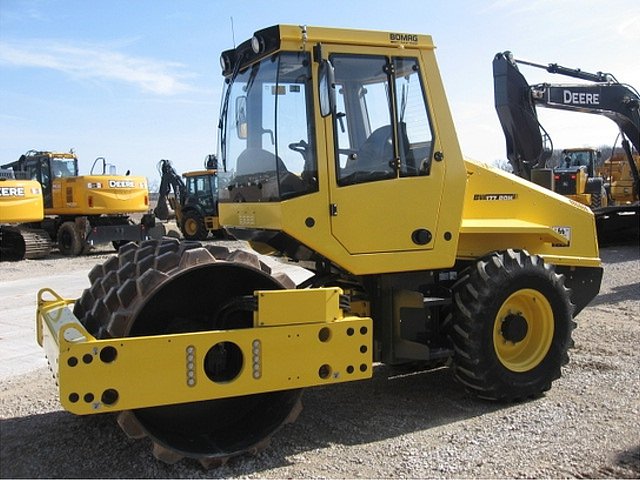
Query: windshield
266,131
64,167
577,159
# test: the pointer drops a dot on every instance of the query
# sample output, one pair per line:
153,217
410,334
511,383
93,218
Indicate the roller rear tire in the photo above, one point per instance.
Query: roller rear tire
511,326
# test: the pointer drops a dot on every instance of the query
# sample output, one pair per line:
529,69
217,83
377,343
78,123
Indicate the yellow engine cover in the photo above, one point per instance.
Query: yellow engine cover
99,195
20,201
504,211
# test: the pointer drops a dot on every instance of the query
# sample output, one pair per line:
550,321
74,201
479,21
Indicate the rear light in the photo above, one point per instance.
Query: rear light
90,201
557,177
146,200
573,177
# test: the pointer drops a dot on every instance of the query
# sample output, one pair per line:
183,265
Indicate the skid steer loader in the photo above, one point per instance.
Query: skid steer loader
338,151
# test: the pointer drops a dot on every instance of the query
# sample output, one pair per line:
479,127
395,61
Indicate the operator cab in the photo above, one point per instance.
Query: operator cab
45,167
202,189
579,159
267,135
333,148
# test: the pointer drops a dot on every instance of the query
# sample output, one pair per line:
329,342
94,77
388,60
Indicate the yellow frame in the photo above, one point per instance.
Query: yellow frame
279,354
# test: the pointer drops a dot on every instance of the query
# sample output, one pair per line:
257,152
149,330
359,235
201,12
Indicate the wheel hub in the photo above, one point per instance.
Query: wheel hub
523,330
514,328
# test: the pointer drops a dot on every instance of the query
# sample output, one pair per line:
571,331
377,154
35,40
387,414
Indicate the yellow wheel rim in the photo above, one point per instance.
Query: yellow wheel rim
523,330
190,226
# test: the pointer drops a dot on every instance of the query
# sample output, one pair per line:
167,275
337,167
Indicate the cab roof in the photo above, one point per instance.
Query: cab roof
297,37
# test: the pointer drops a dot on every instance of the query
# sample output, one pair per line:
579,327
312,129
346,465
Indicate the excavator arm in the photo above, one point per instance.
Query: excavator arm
526,139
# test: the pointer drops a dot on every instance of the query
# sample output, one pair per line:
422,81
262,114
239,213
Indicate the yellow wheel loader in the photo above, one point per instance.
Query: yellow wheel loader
338,152
21,204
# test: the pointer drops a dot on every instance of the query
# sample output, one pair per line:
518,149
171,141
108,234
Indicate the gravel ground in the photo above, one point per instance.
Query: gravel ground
399,424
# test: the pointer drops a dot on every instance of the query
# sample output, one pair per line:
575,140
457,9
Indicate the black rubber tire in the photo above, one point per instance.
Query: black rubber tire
599,200
479,295
193,227
69,240
153,288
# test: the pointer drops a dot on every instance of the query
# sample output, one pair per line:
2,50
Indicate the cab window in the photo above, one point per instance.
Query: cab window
415,137
381,124
268,131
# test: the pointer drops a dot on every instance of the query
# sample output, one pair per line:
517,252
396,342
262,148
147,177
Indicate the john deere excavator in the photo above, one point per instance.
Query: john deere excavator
195,202
613,197
21,204
84,210
338,151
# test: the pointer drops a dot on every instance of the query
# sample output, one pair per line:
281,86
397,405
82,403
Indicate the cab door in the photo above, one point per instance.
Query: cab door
386,193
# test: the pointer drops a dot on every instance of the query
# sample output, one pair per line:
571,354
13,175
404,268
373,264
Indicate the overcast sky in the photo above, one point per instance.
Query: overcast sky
137,81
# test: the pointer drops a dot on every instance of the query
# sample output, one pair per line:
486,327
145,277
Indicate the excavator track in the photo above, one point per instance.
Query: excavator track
20,243
167,286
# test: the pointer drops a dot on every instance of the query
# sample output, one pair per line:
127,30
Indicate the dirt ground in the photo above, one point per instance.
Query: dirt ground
399,424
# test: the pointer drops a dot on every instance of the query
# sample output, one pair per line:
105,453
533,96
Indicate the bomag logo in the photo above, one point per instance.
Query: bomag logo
121,184
12,192
410,38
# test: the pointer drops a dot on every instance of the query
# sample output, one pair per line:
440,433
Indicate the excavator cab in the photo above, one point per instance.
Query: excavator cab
45,167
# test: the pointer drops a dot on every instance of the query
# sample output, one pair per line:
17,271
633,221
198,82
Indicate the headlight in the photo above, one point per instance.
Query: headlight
257,44
225,63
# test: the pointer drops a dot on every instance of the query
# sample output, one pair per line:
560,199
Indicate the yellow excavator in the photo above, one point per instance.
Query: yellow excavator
21,204
337,151
81,211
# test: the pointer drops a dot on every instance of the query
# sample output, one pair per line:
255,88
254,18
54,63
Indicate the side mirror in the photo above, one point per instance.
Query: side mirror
241,117
326,87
